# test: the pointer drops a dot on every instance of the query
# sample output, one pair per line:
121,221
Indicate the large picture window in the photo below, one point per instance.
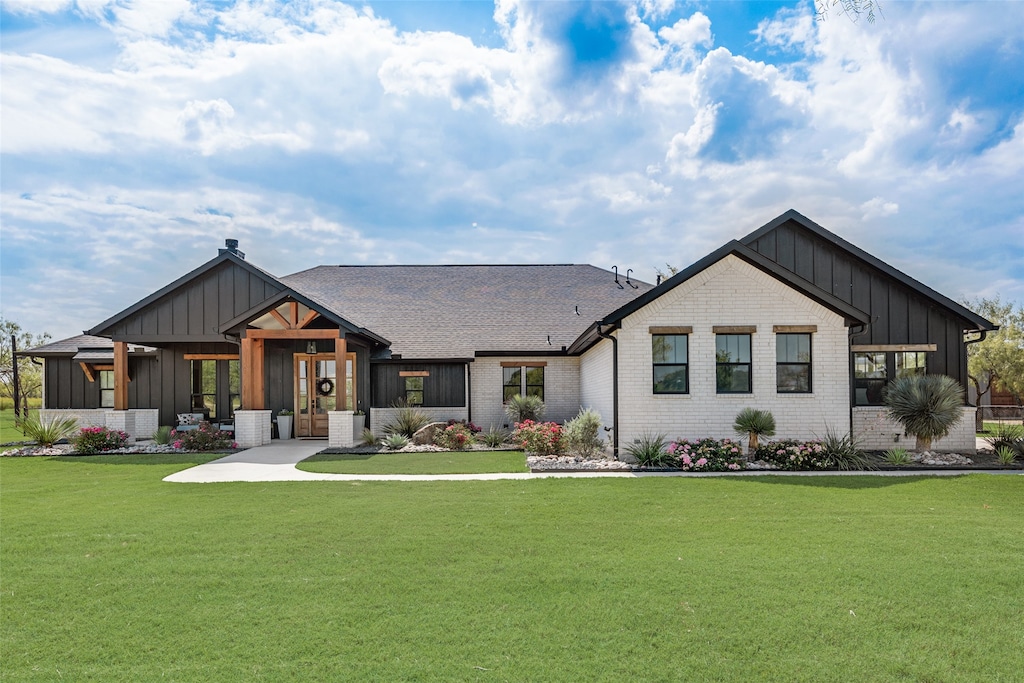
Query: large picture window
793,363
216,387
671,365
527,380
732,364
872,370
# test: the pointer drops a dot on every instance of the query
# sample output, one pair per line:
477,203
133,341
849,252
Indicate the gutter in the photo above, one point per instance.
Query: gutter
615,387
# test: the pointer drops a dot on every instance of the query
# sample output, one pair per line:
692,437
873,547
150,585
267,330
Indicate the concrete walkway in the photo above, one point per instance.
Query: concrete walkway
276,462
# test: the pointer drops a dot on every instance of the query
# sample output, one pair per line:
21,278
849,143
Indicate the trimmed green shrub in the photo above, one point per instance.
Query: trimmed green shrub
928,406
91,440
582,434
522,408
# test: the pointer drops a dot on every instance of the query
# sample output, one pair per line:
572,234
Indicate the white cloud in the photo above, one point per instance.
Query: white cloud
879,208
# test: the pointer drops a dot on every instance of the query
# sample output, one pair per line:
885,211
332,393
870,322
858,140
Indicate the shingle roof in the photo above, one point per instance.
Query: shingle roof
455,311
72,345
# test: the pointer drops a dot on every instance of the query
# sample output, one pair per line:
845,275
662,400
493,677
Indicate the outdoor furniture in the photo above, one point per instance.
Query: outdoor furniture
188,422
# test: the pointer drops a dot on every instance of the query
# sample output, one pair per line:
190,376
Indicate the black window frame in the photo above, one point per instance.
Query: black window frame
684,367
516,379
788,363
728,366
875,386
201,396
412,391
106,393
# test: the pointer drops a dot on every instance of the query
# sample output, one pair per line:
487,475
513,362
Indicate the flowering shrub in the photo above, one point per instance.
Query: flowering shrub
455,437
206,438
98,439
468,425
794,455
707,455
542,438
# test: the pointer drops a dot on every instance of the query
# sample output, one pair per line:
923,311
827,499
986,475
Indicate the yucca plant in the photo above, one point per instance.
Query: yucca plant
369,438
494,437
650,450
928,406
407,421
897,456
46,432
754,423
521,408
843,452
1006,455
162,435
1007,435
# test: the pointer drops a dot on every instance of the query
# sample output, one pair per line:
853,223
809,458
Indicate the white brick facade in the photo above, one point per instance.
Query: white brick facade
597,382
140,423
731,292
877,432
561,389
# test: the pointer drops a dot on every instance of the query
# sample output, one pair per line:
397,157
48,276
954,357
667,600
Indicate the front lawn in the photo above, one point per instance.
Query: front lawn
110,574
446,462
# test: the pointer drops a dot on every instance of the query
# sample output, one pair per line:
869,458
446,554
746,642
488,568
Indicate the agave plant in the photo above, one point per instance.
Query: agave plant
396,442
521,408
928,406
46,432
754,423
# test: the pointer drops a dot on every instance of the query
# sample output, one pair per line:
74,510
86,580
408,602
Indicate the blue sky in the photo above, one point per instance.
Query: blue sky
137,136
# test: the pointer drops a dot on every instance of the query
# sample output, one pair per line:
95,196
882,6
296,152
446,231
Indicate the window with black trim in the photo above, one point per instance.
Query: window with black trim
872,370
793,363
106,388
670,353
414,391
234,387
527,380
204,387
732,364
911,363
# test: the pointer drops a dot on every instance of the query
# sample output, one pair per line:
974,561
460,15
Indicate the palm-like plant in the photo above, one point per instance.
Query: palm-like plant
928,406
754,423
521,408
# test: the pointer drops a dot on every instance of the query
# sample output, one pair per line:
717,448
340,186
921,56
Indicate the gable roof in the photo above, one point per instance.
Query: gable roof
72,346
951,306
454,311
733,248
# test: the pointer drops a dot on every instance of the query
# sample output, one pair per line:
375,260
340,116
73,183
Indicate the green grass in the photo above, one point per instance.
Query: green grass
450,462
110,574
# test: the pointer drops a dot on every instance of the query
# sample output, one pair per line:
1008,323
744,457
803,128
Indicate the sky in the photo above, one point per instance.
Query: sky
136,136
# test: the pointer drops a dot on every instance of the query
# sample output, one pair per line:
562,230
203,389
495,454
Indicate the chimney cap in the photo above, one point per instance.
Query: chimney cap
231,247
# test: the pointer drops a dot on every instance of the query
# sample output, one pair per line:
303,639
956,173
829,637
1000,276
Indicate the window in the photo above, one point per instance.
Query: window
872,370
793,363
671,369
204,387
732,363
910,363
527,380
106,388
234,387
414,391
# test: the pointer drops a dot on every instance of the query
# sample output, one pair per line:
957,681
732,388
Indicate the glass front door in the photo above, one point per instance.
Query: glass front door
316,391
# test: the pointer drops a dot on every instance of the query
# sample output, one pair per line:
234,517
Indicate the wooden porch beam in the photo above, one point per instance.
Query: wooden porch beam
252,374
120,375
211,356
293,313
341,370
280,318
291,334
308,318
87,369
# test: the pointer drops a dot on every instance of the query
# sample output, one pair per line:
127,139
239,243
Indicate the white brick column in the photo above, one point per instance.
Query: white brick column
252,428
340,428
121,420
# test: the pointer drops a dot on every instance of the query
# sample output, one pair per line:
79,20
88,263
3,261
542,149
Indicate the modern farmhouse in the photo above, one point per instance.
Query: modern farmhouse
790,318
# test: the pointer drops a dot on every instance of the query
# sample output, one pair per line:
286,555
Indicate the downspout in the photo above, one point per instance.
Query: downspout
615,388
967,376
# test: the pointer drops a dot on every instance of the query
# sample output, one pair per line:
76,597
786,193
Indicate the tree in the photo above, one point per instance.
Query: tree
999,359
928,406
30,375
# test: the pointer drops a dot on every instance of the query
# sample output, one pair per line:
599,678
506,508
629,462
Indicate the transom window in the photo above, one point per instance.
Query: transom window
732,363
793,363
671,366
526,380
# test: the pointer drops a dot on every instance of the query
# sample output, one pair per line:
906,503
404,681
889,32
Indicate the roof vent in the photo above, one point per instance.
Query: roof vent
231,247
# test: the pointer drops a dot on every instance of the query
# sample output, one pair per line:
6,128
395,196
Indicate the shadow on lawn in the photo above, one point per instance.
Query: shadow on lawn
866,481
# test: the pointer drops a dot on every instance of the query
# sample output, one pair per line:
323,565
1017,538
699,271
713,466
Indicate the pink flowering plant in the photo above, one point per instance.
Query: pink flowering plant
790,454
468,425
542,438
91,440
206,438
455,437
707,455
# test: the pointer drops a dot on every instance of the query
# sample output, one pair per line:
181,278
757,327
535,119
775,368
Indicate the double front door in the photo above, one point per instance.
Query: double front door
317,391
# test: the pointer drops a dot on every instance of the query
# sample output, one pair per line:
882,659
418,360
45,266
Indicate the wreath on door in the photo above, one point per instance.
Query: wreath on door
324,387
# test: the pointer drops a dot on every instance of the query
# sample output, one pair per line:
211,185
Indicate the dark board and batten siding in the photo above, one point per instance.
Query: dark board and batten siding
444,387
197,309
899,315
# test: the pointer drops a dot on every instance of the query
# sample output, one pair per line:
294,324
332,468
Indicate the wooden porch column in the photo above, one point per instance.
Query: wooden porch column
252,374
120,375
341,371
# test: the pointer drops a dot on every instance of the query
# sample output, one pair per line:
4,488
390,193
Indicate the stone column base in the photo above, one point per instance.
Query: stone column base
252,428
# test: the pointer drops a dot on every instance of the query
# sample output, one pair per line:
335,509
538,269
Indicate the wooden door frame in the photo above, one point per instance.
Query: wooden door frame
340,379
